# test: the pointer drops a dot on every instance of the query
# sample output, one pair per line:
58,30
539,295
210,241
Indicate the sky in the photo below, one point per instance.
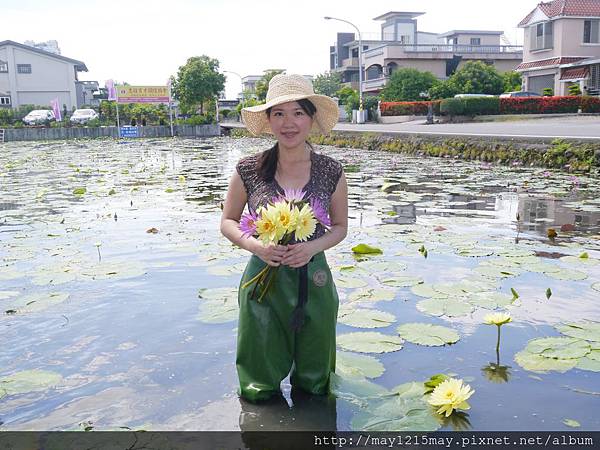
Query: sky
144,42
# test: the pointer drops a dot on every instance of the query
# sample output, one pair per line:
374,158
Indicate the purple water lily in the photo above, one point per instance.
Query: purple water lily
320,212
248,223
293,195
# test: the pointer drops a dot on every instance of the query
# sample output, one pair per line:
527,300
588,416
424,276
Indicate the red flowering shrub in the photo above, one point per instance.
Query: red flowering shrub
590,104
539,105
408,108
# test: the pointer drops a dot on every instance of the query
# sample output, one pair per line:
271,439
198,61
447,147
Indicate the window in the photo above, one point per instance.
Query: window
3,66
5,101
591,32
475,41
542,36
23,68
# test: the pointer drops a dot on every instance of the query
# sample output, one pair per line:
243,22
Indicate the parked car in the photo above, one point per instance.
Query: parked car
82,116
472,95
38,117
518,94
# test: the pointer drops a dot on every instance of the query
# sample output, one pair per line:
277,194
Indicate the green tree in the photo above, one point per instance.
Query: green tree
262,85
512,81
327,83
345,93
407,84
476,77
197,82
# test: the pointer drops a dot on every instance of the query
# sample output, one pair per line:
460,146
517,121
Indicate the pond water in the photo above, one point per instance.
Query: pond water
119,309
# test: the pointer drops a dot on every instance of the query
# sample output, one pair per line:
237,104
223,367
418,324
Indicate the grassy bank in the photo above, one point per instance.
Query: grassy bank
573,156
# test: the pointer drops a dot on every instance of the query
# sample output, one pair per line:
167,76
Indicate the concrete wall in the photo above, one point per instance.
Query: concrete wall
486,39
571,42
43,134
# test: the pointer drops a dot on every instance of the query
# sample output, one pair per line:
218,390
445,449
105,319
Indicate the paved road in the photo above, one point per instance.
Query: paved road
584,127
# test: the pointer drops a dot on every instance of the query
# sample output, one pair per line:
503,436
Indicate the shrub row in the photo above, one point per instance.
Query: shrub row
473,106
409,108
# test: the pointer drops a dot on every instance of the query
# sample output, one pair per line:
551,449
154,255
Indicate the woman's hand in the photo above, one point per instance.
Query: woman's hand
272,254
298,255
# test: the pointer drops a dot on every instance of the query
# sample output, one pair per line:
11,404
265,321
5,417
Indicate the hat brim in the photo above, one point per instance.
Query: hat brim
327,115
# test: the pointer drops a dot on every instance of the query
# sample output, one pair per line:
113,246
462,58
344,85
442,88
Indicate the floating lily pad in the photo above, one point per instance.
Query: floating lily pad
355,390
571,423
8,294
558,347
498,272
587,363
583,330
537,363
29,381
365,249
428,334
490,300
475,252
35,302
372,295
219,305
349,364
367,318
568,275
444,307
579,261
350,282
394,280
370,342
596,287
427,290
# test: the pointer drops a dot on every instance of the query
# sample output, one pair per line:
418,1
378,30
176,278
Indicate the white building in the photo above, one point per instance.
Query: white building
48,46
32,76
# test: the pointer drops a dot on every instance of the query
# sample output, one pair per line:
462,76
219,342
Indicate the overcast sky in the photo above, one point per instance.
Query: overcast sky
144,42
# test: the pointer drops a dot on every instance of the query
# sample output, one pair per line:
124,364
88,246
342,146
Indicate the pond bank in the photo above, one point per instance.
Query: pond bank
45,134
568,154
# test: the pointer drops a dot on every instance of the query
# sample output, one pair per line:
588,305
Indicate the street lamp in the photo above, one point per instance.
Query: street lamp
360,65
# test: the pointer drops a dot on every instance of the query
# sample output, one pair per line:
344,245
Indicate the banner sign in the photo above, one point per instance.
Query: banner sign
110,89
143,94
129,132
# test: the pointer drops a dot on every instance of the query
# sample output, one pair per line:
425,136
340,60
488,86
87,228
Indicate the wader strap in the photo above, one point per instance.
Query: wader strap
297,319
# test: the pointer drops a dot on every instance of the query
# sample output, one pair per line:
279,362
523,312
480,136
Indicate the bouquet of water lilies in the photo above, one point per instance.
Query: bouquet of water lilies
291,216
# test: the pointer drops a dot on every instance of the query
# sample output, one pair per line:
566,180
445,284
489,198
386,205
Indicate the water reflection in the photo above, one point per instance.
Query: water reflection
307,413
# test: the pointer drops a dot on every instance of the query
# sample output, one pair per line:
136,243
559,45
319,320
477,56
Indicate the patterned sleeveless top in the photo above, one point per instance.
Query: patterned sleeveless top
325,173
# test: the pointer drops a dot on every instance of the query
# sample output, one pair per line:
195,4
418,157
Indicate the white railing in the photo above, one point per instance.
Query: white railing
458,48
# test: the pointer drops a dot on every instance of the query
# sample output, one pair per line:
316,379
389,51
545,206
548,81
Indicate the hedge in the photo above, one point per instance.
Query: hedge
408,108
470,106
590,104
540,105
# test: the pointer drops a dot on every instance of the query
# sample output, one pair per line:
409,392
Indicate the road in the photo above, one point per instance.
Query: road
570,127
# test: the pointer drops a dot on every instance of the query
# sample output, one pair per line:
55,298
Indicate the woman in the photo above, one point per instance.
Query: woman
270,343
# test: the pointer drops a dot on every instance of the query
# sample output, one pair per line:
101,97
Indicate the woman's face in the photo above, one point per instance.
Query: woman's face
290,124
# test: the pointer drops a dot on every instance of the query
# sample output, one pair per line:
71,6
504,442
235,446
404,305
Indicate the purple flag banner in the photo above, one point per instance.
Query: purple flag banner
56,109
110,88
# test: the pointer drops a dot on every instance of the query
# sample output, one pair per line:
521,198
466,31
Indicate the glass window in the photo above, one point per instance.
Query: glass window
591,32
542,36
3,66
475,41
4,100
23,68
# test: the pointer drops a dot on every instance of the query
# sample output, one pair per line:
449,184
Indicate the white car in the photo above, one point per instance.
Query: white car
38,117
83,115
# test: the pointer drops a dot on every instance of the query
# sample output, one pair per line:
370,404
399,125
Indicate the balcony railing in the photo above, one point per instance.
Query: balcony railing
457,48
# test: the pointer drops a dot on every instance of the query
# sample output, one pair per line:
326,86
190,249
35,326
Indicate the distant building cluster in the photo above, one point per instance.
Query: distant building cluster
561,48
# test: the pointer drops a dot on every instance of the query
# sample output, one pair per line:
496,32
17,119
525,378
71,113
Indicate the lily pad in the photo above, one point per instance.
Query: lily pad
355,390
350,282
571,423
568,275
367,318
490,300
583,330
444,307
428,334
427,290
35,302
537,363
400,280
596,287
218,305
370,342
349,364
587,363
559,347
365,249
372,295
579,261
29,381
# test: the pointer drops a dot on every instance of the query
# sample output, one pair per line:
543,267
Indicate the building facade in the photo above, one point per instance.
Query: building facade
401,45
562,47
32,76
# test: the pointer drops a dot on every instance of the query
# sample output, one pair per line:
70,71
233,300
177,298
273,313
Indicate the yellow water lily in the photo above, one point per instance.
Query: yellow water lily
268,226
449,395
497,318
305,223
286,217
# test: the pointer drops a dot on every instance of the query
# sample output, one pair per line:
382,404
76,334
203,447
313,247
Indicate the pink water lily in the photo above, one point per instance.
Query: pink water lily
294,195
320,213
248,224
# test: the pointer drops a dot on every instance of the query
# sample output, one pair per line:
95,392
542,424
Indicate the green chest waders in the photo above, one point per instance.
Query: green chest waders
292,328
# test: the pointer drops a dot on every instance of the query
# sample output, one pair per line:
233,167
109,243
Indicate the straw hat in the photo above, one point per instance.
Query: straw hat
289,88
